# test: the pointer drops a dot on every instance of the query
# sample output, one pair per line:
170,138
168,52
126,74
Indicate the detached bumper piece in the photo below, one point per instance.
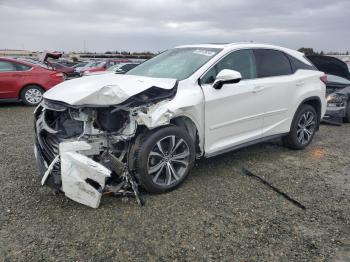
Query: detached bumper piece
83,179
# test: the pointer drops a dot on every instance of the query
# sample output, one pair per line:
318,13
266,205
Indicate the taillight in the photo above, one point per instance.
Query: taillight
324,79
58,74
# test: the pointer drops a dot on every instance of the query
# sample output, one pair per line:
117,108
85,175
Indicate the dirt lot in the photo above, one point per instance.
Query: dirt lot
218,214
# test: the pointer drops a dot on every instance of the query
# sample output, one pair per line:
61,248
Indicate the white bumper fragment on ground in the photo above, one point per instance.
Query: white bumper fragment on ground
82,178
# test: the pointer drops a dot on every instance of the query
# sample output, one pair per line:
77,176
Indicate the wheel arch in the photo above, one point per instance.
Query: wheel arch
316,103
191,128
26,85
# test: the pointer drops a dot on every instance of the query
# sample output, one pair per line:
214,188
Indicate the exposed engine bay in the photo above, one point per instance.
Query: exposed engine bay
85,151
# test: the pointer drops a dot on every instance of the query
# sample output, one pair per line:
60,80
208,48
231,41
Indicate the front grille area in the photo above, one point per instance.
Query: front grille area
48,145
47,142
46,138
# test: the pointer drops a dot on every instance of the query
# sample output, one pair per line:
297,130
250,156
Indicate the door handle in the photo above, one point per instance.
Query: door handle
300,83
258,89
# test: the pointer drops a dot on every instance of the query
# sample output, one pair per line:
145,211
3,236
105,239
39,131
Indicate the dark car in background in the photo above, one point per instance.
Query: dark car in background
338,85
21,80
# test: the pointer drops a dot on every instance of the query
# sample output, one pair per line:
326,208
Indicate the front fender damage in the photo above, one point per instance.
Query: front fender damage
155,116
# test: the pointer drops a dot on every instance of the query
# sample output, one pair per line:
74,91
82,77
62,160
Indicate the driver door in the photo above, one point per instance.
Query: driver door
234,113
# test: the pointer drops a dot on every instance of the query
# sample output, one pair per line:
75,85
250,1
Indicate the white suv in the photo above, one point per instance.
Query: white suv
187,102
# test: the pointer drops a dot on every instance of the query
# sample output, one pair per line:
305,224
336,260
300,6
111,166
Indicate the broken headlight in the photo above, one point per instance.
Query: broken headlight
336,100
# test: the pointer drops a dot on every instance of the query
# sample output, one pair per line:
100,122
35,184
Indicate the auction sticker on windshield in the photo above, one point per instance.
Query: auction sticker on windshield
204,52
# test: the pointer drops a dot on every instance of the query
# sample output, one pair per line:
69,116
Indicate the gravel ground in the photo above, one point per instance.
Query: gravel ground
217,214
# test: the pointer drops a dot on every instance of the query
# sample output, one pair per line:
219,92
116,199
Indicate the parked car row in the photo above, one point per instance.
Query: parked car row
121,68
26,79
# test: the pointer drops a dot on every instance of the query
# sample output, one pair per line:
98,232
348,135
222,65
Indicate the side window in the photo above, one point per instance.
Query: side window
7,66
297,64
241,61
22,67
271,63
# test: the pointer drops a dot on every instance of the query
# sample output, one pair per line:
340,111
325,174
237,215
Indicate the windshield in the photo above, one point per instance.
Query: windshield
178,63
113,68
34,62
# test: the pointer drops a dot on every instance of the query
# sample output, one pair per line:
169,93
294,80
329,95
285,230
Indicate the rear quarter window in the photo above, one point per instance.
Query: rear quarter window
297,64
22,67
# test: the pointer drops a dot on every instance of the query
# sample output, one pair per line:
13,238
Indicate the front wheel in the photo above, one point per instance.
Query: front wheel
303,128
164,159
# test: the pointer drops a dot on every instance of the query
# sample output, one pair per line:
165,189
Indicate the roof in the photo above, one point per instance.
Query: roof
239,45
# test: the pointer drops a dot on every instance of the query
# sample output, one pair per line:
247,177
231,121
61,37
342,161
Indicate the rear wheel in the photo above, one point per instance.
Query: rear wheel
164,159
303,128
32,95
346,119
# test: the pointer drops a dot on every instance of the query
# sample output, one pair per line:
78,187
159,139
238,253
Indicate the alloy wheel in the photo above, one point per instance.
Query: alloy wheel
33,96
168,160
306,127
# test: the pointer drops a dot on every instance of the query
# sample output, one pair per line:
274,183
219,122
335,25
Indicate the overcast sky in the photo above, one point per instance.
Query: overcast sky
155,25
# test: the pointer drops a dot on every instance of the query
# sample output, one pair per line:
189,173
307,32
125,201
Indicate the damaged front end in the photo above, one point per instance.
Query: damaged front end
337,100
85,151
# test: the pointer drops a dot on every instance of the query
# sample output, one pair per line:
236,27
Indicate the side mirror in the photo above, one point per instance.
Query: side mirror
227,76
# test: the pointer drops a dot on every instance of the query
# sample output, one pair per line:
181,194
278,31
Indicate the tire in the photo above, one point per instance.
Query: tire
158,168
303,128
32,95
346,118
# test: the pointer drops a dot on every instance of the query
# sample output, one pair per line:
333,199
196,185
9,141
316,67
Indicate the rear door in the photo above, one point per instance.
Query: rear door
276,83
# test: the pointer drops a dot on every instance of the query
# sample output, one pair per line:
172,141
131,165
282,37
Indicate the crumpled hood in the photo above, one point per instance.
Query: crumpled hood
104,90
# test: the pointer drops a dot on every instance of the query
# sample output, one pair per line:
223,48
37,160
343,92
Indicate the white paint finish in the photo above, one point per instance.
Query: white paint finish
233,114
76,168
224,118
104,90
